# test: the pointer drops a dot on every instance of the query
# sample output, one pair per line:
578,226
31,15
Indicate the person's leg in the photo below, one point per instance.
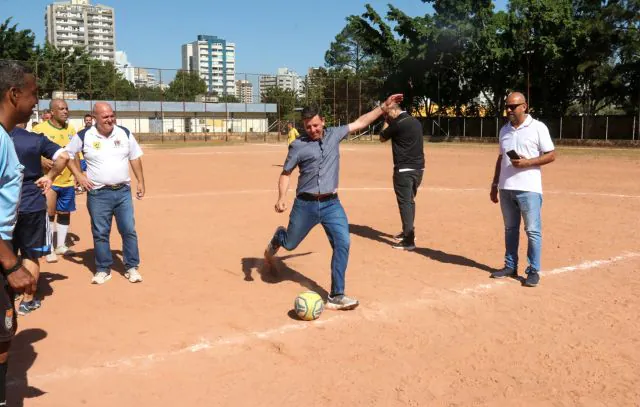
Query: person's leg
303,217
336,226
66,203
402,185
100,204
52,197
531,205
511,219
123,212
4,358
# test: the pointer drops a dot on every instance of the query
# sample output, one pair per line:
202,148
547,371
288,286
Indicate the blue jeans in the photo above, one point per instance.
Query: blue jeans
515,204
330,214
103,205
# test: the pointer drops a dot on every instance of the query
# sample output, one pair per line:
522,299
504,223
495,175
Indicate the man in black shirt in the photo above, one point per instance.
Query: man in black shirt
405,133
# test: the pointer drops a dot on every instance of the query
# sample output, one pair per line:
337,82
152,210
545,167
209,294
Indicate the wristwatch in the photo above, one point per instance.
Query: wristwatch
15,267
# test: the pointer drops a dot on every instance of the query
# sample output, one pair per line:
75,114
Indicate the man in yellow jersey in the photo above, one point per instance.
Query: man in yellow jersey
61,198
293,133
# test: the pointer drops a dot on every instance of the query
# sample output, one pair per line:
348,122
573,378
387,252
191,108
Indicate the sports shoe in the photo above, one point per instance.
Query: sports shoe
133,275
400,236
101,277
504,272
51,257
64,251
24,308
35,304
273,246
533,279
404,244
341,302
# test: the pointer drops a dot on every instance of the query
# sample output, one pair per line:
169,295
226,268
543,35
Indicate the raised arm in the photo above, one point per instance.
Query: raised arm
368,118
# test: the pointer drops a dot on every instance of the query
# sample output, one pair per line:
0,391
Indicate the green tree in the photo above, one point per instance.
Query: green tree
228,99
185,87
16,44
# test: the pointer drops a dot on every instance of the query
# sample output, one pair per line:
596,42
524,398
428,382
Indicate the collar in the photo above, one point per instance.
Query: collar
527,122
57,128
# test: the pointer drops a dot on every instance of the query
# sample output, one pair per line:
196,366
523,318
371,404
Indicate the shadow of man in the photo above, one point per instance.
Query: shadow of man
437,255
44,283
87,258
22,355
279,271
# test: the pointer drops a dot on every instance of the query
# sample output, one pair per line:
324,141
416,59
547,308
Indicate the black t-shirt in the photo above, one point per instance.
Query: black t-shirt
405,132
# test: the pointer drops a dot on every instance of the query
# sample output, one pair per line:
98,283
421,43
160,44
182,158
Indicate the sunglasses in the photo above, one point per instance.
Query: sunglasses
513,107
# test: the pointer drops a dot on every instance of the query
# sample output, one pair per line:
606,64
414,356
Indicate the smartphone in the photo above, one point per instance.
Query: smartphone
513,155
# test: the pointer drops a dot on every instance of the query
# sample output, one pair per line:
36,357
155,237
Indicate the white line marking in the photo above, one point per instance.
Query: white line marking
367,314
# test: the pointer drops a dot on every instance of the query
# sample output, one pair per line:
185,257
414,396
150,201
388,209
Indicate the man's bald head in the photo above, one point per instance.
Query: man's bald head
59,112
516,106
105,118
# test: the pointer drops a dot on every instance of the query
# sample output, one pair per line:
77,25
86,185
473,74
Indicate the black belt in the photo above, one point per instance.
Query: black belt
305,196
115,187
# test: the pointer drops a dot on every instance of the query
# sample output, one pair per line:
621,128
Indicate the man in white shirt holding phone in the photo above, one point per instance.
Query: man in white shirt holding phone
525,146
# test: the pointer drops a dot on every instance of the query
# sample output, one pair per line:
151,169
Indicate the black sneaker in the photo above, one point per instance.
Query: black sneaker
398,237
533,279
505,272
404,244
273,246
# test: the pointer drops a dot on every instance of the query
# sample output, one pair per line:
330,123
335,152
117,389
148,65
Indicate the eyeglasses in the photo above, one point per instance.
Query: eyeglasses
513,107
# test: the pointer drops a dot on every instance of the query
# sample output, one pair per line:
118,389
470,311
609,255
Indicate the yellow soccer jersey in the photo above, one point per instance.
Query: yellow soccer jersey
293,134
61,137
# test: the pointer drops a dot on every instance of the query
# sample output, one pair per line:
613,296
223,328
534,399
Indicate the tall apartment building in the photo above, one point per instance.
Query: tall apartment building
244,91
284,79
214,59
77,23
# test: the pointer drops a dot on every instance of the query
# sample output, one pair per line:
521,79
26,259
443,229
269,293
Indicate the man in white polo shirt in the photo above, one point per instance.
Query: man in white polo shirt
108,150
518,182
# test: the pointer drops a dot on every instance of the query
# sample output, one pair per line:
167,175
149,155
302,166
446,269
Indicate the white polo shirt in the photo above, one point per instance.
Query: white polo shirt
107,157
530,140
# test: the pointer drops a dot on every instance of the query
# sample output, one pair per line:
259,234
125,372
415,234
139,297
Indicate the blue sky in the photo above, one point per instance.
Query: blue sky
268,33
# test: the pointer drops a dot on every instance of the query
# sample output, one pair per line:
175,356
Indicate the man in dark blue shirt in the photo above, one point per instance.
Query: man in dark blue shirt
317,156
31,237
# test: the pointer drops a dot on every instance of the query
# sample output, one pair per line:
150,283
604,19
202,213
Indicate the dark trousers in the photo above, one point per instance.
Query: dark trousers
406,184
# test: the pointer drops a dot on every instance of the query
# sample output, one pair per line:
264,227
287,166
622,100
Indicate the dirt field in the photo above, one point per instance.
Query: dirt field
208,327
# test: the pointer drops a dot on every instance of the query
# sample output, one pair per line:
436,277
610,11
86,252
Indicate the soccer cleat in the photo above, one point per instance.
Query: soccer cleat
273,246
533,279
51,257
504,272
133,275
404,245
64,251
341,302
101,277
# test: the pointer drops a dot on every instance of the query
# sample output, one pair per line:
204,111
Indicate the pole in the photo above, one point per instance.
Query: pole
582,128
560,127
606,129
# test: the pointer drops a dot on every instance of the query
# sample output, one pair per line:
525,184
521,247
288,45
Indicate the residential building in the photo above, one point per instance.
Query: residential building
284,79
244,91
214,59
77,23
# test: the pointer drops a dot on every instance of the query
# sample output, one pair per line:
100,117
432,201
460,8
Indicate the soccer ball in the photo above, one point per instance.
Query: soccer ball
308,305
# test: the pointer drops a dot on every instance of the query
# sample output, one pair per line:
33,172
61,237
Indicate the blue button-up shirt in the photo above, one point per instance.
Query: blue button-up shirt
10,185
318,160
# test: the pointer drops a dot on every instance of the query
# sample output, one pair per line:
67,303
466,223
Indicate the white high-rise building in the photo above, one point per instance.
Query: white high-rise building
244,91
284,79
124,67
214,59
77,23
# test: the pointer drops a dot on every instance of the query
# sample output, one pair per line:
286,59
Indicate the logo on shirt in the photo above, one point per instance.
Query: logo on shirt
116,143
96,145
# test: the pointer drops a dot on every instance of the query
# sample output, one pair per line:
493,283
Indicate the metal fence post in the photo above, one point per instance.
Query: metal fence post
606,128
560,127
481,121
582,128
497,131
633,131
464,127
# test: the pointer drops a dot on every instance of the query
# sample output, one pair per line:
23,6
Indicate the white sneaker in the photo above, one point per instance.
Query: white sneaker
64,251
101,277
133,275
51,257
